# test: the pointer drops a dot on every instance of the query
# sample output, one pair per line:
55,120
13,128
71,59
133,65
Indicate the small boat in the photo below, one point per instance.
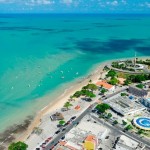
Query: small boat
29,85
12,87
62,77
77,73
61,71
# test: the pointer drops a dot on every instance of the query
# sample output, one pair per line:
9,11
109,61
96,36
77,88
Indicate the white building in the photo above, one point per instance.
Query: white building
75,138
123,105
126,143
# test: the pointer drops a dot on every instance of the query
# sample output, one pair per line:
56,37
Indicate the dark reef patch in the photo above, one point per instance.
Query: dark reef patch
84,29
104,25
25,28
143,49
113,45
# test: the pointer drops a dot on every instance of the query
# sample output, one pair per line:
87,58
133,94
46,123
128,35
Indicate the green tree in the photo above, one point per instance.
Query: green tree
109,115
129,127
115,122
92,87
123,94
140,131
103,91
61,122
77,94
111,74
140,86
67,105
124,123
113,81
18,146
102,107
90,81
127,82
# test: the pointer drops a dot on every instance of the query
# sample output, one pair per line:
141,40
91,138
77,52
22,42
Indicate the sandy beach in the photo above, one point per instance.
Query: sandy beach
25,129
59,102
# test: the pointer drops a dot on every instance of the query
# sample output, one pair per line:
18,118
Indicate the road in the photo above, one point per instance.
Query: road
118,130
130,72
69,127
111,95
115,129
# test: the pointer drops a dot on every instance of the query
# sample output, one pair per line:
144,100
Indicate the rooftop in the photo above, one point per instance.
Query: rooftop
104,84
123,105
84,131
126,143
57,116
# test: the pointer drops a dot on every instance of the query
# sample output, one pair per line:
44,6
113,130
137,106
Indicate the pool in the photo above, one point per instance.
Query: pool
142,122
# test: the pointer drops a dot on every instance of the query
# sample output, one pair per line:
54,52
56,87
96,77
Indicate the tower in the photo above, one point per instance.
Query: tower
135,59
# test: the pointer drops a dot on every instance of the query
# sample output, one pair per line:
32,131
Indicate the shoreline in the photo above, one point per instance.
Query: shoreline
59,101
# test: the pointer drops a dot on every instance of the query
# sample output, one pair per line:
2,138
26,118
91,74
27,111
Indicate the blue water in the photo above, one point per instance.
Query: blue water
42,54
143,122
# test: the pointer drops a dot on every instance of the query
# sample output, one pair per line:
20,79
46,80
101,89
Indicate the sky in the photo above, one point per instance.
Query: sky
74,6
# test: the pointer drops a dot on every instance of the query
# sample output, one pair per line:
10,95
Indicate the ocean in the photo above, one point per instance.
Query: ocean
41,54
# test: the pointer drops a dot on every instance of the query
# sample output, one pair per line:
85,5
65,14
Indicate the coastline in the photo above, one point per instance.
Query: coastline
59,101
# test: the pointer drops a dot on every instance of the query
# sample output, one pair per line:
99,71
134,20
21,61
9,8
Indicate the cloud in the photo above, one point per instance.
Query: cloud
40,2
124,2
113,3
67,1
146,4
7,1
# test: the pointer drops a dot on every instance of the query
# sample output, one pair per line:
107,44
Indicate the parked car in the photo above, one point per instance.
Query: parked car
57,132
74,117
63,138
63,129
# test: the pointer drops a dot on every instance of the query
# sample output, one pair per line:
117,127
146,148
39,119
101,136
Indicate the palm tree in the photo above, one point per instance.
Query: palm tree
67,105
71,98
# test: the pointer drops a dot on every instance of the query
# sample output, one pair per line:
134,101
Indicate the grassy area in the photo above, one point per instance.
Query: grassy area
121,75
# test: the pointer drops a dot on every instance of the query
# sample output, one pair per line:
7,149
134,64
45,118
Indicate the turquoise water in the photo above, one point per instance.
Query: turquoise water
42,54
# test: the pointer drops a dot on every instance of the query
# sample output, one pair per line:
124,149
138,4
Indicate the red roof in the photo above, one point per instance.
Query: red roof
104,84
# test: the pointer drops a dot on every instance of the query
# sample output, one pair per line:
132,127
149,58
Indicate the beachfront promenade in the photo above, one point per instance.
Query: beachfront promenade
51,129
68,128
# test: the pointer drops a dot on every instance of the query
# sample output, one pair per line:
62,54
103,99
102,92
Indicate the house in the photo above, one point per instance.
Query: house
90,143
105,85
56,116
